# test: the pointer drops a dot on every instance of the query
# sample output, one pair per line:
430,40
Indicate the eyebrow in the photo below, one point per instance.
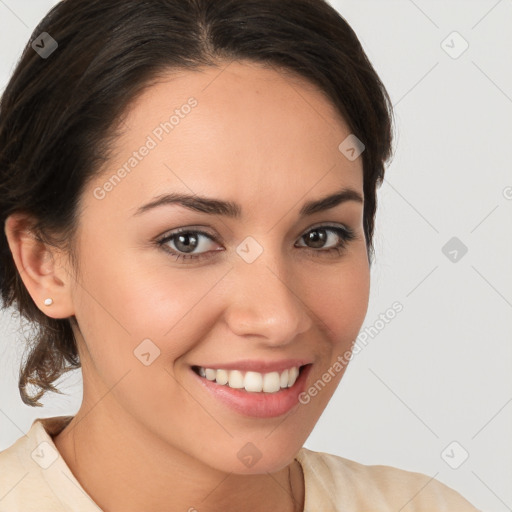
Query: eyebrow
231,209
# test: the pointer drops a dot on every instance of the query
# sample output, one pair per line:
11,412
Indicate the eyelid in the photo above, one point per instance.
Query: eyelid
186,229
328,225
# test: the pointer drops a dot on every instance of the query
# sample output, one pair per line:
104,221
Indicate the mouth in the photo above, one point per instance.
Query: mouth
262,395
250,381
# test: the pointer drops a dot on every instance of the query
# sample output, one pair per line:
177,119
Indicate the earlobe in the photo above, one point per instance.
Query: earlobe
39,269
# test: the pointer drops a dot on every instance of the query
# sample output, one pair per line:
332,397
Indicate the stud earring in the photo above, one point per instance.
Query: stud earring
48,302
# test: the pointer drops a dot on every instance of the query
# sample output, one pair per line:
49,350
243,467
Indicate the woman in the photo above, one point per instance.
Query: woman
188,189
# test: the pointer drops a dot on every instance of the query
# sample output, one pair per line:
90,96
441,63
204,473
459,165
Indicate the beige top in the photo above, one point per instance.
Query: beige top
35,478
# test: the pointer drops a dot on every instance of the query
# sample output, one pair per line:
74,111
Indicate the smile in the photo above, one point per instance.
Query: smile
253,382
263,394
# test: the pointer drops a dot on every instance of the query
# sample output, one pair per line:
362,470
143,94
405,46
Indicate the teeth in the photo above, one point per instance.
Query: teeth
254,382
236,379
209,373
222,377
293,373
271,382
284,379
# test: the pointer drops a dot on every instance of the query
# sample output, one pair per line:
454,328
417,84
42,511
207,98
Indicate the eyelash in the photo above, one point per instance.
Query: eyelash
346,235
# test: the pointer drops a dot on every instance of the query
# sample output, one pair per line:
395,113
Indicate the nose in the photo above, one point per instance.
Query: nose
265,303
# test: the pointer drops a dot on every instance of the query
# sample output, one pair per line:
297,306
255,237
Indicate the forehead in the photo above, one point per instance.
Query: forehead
254,133
236,98
237,83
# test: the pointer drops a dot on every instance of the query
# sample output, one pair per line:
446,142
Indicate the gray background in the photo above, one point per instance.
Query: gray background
438,372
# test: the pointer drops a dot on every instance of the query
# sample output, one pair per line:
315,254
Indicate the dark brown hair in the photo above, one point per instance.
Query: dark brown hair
58,114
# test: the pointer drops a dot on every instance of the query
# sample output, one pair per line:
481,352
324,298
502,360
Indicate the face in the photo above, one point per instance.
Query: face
261,291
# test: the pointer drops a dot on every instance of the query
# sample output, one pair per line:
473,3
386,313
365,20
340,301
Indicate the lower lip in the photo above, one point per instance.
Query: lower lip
258,405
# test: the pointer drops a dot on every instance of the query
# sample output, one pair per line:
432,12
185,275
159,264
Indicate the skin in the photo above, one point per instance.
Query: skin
268,141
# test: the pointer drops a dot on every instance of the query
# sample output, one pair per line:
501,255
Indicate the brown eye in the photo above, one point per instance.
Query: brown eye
186,241
318,237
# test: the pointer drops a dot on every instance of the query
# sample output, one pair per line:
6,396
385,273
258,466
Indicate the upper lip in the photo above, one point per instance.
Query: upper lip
260,366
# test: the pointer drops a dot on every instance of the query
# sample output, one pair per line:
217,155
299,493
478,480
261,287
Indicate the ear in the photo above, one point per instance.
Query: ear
42,268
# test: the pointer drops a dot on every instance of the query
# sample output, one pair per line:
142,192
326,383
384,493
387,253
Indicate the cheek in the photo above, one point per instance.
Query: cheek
340,306
133,302
139,322
340,301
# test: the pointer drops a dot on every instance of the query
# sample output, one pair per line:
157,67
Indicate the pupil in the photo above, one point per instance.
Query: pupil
188,247
317,237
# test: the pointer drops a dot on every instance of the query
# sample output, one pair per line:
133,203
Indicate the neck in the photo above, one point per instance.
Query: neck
123,467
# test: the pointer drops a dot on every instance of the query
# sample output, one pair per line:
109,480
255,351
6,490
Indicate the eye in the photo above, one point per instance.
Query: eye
188,240
319,236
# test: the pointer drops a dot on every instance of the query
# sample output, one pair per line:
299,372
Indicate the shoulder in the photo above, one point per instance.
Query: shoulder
30,469
354,486
21,487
